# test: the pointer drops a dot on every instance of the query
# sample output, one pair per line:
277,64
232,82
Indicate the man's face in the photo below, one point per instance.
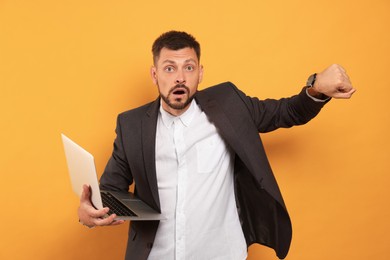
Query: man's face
177,75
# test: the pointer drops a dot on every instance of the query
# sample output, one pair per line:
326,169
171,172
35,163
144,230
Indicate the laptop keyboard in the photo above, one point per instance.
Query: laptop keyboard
115,206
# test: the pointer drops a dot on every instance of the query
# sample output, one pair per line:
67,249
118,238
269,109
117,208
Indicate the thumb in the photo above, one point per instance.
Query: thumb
345,95
86,194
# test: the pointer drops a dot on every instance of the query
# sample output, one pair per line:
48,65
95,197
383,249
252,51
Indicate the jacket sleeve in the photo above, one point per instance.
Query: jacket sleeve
117,175
271,114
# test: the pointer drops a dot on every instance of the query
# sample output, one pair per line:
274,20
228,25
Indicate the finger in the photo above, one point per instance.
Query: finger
117,222
345,95
350,93
97,213
105,221
341,68
345,77
345,87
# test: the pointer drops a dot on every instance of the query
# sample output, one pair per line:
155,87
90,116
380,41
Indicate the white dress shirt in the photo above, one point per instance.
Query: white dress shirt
196,188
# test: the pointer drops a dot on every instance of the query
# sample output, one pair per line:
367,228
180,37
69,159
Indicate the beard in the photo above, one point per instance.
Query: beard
178,103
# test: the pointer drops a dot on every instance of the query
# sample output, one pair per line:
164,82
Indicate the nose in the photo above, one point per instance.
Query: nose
180,78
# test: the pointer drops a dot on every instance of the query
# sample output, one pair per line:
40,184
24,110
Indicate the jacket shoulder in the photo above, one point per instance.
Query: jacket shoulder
227,95
140,111
224,88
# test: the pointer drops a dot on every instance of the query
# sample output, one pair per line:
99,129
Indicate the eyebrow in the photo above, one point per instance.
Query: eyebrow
173,62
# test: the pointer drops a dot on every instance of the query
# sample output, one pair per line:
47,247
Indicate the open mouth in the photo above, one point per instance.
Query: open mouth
179,92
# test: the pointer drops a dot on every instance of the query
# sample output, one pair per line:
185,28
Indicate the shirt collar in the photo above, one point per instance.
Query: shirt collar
185,118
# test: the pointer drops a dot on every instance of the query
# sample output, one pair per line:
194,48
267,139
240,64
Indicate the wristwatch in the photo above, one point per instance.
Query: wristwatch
310,83
311,80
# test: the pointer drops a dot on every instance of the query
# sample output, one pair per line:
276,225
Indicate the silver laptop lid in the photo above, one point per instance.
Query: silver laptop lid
82,170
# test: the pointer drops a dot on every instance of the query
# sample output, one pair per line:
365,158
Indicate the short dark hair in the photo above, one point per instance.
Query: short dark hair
174,40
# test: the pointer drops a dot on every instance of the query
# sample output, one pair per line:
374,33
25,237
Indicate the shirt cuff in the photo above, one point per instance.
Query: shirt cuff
316,99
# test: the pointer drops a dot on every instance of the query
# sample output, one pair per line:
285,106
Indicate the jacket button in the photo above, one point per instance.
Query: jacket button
149,245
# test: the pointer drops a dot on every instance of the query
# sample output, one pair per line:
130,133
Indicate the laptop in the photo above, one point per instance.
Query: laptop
82,171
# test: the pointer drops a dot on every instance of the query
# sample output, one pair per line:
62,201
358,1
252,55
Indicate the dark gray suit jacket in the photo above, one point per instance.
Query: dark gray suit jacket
263,214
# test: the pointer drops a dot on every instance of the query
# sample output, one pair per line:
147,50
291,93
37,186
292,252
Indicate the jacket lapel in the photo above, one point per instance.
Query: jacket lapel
149,125
219,118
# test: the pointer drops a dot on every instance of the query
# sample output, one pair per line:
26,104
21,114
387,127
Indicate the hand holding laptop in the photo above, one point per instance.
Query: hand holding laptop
91,217
93,210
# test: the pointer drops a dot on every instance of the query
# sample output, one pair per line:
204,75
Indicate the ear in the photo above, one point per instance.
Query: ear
200,74
153,74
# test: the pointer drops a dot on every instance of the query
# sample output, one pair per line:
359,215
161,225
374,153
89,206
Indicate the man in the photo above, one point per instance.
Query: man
196,156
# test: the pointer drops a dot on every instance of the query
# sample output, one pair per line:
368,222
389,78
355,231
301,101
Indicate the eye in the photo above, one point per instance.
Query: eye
190,68
169,69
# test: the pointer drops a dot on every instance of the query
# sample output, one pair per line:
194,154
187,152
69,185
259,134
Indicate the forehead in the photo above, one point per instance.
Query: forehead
177,56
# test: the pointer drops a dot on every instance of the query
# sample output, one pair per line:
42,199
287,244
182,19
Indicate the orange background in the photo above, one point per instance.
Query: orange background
72,66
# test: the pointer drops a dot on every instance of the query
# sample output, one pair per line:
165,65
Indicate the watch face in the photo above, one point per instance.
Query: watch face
310,80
